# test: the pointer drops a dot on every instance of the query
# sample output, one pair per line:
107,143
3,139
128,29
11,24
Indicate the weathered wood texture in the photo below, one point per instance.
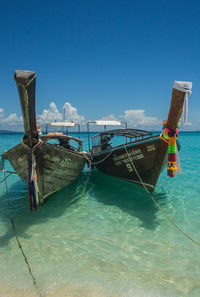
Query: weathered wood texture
56,167
26,87
152,154
175,111
142,153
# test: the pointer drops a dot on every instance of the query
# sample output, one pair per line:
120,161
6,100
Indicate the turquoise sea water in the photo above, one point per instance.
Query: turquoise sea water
104,237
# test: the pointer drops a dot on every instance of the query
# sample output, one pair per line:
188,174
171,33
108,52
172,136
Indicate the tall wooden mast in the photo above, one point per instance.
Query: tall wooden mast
178,96
25,81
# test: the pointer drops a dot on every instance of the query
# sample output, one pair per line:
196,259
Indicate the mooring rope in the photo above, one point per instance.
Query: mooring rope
108,155
34,200
6,176
8,171
38,144
156,203
16,236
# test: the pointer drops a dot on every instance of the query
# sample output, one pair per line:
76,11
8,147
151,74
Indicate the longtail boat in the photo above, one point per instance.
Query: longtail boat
141,156
47,163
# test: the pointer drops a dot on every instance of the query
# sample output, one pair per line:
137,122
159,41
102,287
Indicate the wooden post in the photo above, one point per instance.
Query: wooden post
176,109
25,81
174,115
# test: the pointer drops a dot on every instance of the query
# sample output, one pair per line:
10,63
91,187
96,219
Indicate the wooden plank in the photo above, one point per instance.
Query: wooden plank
150,165
142,155
175,111
55,168
25,81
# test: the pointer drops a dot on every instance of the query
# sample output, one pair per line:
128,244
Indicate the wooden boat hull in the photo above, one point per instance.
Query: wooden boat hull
148,155
56,167
143,154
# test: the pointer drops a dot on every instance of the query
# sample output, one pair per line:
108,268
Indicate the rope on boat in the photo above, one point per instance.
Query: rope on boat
2,169
96,163
7,171
156,203
10,173
39,143
32,175
16,236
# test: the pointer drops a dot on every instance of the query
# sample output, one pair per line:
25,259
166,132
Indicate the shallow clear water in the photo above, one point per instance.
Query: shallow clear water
104,237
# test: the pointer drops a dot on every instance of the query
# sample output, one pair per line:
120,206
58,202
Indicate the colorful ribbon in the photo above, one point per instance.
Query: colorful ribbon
32,182
170,136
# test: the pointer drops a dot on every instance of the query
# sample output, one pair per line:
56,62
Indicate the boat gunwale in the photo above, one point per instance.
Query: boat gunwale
54,136
121,146
77,153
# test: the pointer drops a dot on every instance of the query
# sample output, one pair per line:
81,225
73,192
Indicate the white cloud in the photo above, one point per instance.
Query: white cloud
71,113
187,124
53,114
49,115
1,113
111,117
11,121
136,118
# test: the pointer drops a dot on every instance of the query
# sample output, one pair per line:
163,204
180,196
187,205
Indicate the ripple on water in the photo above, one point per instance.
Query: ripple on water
104,237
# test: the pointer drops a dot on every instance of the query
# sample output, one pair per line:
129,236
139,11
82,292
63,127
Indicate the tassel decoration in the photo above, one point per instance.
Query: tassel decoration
171,164
170,137
32,182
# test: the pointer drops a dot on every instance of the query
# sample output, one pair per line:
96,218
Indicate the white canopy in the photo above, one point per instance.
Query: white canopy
62,124
108,123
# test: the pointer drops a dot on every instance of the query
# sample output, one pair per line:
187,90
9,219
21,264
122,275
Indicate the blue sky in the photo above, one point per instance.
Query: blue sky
102,57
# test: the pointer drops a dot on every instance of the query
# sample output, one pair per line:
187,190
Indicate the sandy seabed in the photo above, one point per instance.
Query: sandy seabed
58,292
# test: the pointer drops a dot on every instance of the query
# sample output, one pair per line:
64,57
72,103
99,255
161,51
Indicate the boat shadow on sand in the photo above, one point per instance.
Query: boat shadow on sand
56,205
129,197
